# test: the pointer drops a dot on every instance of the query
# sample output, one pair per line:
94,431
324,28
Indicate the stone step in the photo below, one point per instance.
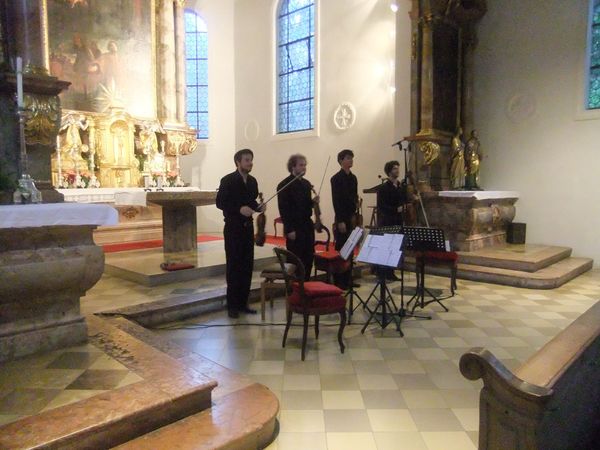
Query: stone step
549,277
245,419
524,258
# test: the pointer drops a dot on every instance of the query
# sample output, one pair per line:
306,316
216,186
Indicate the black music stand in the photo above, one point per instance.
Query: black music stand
347,252
386,308
421,240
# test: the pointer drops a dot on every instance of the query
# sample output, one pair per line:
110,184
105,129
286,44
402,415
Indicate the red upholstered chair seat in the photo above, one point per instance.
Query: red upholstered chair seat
317,305
330,261
317,289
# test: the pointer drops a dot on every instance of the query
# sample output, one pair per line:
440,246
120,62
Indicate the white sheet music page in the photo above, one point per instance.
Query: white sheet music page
383,250
351,243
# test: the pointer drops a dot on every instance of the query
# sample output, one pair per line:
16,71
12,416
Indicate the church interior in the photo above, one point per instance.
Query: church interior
118,120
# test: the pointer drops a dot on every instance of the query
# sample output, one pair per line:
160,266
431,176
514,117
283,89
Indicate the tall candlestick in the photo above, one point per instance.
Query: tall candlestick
19,82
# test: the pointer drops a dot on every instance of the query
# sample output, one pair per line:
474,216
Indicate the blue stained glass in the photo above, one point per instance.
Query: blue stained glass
596,13
594,92
196,44
295,41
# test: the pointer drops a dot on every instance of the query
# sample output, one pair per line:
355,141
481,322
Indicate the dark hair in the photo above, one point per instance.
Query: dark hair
389,166
238,155
346,152
294,160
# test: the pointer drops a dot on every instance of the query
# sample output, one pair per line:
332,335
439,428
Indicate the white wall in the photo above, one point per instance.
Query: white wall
214,157
529,73
356,47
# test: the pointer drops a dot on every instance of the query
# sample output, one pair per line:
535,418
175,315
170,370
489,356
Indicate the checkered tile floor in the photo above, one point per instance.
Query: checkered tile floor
42,382
388,392
385,392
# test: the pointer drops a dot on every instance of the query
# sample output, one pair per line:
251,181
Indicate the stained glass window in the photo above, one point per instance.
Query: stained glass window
196,73
594,78
295,65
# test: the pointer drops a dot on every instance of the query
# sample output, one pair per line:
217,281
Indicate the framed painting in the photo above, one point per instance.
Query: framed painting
106,49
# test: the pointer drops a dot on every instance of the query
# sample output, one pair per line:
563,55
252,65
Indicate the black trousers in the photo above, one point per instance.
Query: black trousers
342,279
303,246
239,254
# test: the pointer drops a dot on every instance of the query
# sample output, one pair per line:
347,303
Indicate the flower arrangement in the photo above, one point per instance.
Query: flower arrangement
69,179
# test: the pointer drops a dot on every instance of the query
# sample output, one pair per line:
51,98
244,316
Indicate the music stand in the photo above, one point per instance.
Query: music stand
347,252
421,240
382,248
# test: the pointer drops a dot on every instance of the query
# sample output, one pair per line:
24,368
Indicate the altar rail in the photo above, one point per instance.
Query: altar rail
552,402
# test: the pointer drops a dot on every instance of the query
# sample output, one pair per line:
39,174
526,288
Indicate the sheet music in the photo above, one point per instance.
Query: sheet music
351,243
383,250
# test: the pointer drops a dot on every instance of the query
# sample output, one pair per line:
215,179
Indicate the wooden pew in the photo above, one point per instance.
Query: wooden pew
552,402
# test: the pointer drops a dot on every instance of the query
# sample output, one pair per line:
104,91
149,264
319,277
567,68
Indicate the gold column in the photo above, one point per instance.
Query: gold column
180,56
167,74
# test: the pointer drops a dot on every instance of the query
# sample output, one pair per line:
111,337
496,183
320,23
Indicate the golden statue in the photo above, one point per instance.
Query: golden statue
457,168
430,150
473,157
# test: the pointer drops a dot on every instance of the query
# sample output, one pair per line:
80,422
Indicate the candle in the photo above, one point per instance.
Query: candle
19,82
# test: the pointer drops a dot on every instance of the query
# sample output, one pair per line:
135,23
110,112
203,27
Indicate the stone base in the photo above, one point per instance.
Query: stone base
23,343
478,242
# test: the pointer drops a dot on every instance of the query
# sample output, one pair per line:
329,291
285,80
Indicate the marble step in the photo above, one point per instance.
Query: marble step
550,277
525,258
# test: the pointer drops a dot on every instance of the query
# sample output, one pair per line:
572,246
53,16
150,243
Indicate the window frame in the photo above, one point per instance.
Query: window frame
314,132
582,110
197,86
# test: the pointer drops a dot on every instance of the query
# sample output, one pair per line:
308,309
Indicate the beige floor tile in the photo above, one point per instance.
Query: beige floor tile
391,399
468,417
342,400
365,354
71,396
446,440
404,440
301,400
450,342
391,420
301,382
340,382
351,441
422,398
405,366
428,354
301,441
376,382
334,366
436,420
346,420
460,398
301,421
266,368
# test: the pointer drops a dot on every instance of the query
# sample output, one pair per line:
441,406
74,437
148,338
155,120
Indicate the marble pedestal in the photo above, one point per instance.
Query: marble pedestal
45,267
471,220
179,217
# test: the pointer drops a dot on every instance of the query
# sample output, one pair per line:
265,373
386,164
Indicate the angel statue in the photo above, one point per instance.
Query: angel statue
457,167
74,146
472,160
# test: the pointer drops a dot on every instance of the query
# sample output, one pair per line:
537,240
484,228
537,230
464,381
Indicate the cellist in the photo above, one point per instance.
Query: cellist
237,199
296,208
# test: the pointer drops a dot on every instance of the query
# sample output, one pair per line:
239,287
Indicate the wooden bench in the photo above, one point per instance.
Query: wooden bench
552,402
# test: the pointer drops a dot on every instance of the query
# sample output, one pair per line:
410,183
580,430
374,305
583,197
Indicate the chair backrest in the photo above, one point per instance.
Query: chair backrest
297,276
327,237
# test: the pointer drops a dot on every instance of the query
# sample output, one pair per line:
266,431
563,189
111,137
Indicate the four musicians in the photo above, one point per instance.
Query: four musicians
237,196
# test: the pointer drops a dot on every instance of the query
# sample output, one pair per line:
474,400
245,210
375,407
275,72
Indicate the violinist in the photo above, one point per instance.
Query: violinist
295,208
344,192
237,199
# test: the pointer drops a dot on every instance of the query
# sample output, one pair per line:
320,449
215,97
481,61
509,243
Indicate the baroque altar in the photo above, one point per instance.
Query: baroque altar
471,220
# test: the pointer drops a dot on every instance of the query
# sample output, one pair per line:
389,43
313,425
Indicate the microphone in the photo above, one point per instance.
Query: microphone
399,143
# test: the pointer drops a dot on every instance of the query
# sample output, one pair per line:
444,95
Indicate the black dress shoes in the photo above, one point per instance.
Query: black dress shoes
247,310
233,314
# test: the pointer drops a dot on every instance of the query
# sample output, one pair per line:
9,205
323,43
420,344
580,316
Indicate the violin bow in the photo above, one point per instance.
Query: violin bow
283,188
324,173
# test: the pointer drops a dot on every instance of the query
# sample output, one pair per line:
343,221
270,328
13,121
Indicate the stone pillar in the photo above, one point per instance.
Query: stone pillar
467,106
180,55
166,60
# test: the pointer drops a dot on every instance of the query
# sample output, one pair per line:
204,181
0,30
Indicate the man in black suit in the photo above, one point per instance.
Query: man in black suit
296,208
344,193
237,199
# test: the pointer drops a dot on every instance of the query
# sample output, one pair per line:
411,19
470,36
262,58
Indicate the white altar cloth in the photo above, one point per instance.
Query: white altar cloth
47,214
118,196
480,195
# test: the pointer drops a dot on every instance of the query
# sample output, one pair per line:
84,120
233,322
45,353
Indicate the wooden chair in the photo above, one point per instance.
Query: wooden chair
328,261
271,275
275,222
309,298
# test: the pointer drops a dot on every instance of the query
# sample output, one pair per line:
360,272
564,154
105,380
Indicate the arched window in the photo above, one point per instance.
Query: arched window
593,98
196,73
295,65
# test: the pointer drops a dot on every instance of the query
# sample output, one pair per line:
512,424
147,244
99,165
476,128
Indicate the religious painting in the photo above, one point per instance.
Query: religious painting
105,49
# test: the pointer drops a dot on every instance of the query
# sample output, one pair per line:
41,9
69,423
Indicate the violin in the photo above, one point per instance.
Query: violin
317,211
261,220
410,209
